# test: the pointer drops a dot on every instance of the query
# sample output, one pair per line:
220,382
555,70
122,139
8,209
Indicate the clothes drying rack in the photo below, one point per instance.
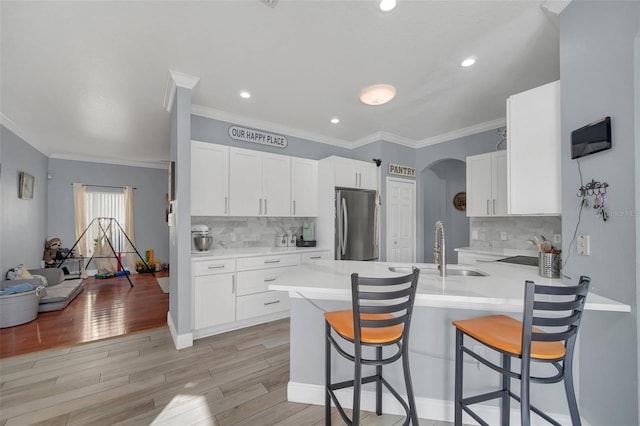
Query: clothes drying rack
105,225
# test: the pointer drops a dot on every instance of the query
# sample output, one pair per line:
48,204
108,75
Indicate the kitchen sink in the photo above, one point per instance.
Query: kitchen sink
435,271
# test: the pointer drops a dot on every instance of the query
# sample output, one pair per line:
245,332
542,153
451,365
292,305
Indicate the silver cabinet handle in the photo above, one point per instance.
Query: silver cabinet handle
359,180
315,257
272,261
215,267
488,207
260,200
233,284
356,173
265,206
494,206
294,207
268,280
225,204
271,303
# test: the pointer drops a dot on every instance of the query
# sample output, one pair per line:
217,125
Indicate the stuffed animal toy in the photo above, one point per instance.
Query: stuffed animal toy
51,250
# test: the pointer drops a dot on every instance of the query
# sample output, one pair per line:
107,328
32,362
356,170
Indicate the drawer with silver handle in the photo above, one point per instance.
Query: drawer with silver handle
211,267
255,305
265,262
250,282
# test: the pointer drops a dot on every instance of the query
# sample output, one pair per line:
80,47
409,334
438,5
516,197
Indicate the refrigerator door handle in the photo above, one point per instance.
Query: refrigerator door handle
339,226
345,226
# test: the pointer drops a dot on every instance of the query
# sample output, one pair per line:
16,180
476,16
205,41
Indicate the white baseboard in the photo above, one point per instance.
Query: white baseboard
428,408
180,341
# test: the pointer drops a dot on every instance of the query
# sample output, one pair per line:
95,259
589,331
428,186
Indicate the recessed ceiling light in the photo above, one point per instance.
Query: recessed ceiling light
244,94
468,61
387,5
335,120
377,94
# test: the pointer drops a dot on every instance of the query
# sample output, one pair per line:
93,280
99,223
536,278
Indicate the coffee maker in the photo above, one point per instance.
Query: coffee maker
201,241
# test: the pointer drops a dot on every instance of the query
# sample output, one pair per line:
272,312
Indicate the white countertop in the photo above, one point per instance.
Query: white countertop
251,252
498,251
502,290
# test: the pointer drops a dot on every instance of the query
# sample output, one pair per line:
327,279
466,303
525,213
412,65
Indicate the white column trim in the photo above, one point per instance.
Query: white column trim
177,79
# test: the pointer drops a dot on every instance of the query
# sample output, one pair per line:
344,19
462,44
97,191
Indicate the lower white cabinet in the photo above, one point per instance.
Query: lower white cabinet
214,299
234,293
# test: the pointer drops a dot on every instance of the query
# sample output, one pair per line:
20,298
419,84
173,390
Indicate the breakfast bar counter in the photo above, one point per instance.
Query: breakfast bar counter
325,285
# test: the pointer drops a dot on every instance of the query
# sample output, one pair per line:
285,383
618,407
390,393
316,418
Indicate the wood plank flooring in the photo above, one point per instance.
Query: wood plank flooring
237,378
106,308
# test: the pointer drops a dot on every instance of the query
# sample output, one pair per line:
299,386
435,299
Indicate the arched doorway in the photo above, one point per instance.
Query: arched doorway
440,182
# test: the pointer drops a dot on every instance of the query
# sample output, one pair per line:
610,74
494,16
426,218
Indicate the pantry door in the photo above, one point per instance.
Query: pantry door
401,220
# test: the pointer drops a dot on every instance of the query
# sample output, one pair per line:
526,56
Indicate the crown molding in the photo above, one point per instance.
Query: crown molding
159,164
22,134
555,6
177,79
465,131
215,114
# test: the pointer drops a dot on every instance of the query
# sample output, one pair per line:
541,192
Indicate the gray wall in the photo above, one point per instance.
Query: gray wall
149,200
597,75
429,156
23,222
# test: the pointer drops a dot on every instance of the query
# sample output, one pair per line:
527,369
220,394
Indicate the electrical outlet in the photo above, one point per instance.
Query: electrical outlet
233,236
584,246
503,236
557,238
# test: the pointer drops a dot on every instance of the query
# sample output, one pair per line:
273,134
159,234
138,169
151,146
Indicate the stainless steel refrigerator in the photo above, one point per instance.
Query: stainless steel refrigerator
356,224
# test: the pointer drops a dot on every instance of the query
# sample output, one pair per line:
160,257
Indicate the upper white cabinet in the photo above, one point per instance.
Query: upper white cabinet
304,187
355,174
533,146
259,183
209,179
487,184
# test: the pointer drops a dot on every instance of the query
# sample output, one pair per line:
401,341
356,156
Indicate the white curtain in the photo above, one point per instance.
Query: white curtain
79,206
131,257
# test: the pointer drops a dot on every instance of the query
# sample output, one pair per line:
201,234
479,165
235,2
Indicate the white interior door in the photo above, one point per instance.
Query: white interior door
401,220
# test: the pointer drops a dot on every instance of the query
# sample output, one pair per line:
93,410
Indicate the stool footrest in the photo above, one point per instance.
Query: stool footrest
496,395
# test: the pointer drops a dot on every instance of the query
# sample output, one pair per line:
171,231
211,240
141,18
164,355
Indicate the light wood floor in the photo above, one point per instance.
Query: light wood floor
236,378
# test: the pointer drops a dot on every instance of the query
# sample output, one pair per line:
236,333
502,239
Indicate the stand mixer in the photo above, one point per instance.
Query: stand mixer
201,239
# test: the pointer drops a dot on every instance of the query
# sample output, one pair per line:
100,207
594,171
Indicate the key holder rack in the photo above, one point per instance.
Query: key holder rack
598,191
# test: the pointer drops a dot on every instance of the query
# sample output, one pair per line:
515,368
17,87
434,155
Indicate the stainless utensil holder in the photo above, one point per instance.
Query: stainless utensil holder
549,265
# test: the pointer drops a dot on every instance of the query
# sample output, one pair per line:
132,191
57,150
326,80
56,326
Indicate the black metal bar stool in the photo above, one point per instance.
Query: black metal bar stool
559,310
380,317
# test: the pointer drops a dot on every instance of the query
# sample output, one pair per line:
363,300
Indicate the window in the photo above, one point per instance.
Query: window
106,204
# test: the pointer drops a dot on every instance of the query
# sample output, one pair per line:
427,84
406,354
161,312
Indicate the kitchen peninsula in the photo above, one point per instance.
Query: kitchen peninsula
324,285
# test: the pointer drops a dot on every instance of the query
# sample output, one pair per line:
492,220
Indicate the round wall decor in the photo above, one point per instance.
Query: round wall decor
460,201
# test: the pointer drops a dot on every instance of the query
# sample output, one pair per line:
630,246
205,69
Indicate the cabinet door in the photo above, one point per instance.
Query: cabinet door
214,300
499,184
345,173
304,187
245,182
479,182
533,146
367,175
209,179
276,185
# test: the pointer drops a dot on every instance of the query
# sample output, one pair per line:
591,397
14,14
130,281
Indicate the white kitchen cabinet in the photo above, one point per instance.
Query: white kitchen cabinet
355,174
533,147
259,183
209,179
214,293
304,187
487,184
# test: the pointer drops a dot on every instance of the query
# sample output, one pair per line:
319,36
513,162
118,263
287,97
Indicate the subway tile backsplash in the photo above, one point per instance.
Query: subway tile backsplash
519,229
249,231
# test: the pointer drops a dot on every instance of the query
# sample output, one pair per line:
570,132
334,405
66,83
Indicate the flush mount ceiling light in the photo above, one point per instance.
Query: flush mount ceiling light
244,94
377,94
467,62
387,5
335,120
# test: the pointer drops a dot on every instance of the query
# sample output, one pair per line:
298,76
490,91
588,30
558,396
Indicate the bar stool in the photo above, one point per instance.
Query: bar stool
380,317
557,308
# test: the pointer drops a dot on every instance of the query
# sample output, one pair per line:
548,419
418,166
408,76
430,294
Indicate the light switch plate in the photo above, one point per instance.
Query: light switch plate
583,246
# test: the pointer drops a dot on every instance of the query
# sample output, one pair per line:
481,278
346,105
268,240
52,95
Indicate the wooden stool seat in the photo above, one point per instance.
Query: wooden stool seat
504,333
342,323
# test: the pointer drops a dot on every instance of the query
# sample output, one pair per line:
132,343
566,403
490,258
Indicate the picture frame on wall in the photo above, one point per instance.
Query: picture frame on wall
25,190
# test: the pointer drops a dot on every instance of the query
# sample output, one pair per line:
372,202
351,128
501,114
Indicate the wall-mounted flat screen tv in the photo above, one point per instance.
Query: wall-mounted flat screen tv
592,138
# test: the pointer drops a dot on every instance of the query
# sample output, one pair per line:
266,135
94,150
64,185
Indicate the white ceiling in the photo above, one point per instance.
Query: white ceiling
86,79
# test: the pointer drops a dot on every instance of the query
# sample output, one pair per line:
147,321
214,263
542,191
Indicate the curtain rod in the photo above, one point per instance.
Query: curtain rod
105,186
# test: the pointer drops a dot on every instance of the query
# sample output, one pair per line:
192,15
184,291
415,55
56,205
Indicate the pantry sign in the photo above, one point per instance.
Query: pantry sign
257,136
398,170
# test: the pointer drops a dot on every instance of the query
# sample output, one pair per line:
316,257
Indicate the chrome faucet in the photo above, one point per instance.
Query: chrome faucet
439,249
